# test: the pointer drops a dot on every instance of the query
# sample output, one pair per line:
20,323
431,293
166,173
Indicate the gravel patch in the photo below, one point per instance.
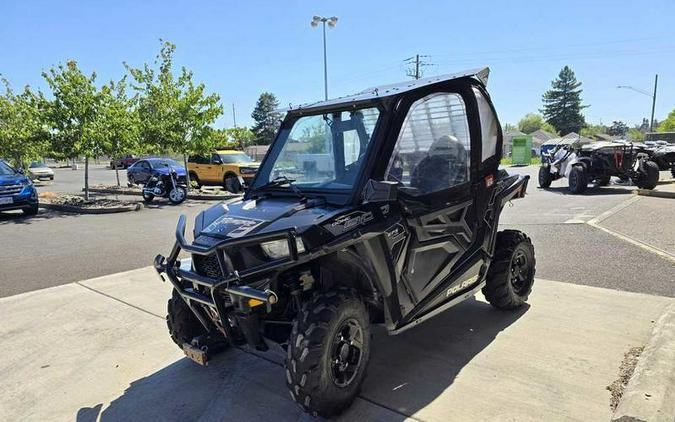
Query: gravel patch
616,388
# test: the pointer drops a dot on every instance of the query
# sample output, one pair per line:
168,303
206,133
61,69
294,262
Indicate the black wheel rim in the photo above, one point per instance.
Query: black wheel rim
346,353
519,270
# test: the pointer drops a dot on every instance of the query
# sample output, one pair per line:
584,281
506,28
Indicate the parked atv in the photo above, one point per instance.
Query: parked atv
598,162
664,157
379,208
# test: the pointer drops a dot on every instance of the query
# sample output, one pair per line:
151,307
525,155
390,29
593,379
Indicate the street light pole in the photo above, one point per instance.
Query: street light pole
652,95
332,21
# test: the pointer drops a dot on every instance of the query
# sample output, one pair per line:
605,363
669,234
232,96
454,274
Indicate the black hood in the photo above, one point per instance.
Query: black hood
247,217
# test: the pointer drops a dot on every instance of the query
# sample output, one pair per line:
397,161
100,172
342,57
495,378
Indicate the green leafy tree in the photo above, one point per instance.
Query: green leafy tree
74,115
120,121
617,128
591,130
508,127
635,134
176,113
533,122
24,135
667,125
241,137
266,118
562,103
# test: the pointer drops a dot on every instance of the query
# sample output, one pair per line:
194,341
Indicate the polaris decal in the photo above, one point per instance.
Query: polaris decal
461,286
232,226
348,222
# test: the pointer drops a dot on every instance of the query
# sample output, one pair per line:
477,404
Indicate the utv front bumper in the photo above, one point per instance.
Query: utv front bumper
229,294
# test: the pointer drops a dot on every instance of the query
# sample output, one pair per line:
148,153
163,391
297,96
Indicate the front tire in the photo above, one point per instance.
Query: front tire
183,325
545,177
328,352
578,180
177,195
648,175
511,273
33,210
232,184
194,179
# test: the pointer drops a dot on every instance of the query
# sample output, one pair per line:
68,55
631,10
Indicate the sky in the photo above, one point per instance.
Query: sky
242,48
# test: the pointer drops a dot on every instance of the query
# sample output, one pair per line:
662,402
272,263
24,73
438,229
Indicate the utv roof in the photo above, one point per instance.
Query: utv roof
393,89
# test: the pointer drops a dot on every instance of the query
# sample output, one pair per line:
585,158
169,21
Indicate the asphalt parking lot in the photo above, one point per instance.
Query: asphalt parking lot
54,248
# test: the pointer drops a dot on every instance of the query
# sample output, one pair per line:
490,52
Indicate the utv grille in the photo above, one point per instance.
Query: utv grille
207,265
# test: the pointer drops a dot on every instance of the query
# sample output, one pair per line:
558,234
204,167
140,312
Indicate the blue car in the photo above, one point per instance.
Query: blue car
142,170
17,191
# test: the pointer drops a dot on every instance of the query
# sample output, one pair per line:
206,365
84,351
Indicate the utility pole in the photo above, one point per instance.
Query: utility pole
651,121
417,63
234,116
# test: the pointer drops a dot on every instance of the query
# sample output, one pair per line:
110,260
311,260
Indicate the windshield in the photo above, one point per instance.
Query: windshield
235,158
163,163
325,151
6,170
37,164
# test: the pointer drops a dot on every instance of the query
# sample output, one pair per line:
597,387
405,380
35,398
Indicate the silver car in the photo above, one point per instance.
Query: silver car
39,171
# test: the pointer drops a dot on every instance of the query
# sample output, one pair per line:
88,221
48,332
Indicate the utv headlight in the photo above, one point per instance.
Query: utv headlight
279,248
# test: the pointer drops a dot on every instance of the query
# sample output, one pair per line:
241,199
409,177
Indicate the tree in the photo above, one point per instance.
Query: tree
635,134
241,137
120,121
533,122
667,125
508,127
23,133
266,118
590,130
74,116
176,113
617,128
562,103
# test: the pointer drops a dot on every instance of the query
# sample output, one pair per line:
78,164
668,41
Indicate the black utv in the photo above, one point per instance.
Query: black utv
377,208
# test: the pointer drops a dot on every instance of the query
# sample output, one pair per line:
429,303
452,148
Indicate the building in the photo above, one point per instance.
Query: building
661,136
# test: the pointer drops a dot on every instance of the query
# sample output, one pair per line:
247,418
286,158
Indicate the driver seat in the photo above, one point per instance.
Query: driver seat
444,166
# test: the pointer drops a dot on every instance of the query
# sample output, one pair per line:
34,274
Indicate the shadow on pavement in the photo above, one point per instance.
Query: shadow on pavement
592,190
405,374
17,217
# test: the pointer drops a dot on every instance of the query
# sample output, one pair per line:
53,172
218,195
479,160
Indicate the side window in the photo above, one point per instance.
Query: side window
432,152
488,126
215,159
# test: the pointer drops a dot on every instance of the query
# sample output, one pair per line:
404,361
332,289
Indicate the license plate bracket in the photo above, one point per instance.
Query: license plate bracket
6,200
196,354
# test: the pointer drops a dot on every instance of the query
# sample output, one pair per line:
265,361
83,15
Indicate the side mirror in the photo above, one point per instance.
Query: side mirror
20,170
380,191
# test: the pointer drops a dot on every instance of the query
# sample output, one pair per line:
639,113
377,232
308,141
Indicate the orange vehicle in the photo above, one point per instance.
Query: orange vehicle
231,169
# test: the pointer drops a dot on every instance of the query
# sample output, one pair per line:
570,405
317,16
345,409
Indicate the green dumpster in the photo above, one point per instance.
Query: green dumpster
521,150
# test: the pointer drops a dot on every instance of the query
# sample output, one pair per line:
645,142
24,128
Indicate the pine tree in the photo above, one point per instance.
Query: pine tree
562,103
266,118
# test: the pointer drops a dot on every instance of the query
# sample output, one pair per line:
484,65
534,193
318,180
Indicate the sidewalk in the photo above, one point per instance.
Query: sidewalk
99,349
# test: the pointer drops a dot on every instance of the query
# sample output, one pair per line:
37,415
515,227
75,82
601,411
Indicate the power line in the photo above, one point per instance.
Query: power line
416,62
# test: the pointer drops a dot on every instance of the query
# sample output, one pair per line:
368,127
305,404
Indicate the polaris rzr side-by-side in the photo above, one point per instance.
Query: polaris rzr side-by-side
598,162
377,208
664,157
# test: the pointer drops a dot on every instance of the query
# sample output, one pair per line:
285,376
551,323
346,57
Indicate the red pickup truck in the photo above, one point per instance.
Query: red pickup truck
124,162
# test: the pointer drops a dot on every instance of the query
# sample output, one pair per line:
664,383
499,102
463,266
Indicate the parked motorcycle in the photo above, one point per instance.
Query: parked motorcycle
165,186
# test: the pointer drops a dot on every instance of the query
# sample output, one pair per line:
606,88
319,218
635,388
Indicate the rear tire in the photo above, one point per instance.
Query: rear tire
648,175
511,273
545,177
578,180
328,352
603,180
183,325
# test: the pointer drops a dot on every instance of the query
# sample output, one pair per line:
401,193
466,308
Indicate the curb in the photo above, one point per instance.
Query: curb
81,210
190,195
655,193
650,393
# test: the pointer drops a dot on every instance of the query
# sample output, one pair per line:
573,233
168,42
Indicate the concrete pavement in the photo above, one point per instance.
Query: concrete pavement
99,349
